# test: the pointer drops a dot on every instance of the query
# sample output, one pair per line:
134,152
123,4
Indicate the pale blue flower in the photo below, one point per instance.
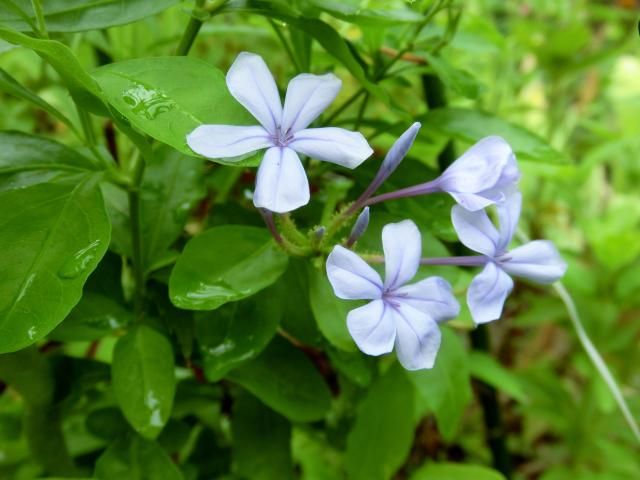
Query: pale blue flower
538,261
281,183
406,316
482,175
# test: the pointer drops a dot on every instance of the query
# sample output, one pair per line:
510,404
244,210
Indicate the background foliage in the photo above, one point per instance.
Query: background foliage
151,329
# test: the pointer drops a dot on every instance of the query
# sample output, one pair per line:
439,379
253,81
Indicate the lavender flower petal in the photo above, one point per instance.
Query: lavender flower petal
307,97
223,141
402,245
373,327
251,83
331,144
432,296
281,182
475,230
417,338
487,293
538,261
351,277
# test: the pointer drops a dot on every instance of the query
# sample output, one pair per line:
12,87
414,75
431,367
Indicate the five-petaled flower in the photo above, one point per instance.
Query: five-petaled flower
482,175
281,183
406,316
538,260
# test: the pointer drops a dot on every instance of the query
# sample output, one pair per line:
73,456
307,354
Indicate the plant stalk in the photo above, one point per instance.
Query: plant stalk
39,13
191,32
137,172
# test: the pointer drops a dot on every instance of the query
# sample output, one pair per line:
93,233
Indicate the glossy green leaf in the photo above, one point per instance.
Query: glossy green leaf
237,332
486,368
382,435
10,85
455,471
329,311
84,88
136,458
63,232
144,379
225,264
28,159
80,15
168,97
472,125
446,387
94,317
284,379
261,441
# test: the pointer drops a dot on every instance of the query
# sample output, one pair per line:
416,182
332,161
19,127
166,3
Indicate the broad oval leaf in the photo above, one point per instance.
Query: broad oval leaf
52,237
225,264
455,471
446,387
261,441
81,15
136,458
168,97
472,125
329,311
144,380
27,160
382,435
284,379
237,332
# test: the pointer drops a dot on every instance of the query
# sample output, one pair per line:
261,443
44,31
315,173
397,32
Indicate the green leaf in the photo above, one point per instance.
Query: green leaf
94,317
225,264
457,80
446,387
261,441
455,471
81,15
31,375
168,97
382,435
352,11
10,85
486,368
63,232
471,125
136,458
27,160
237,332
284,379
317,456
329,311
144,379
84,88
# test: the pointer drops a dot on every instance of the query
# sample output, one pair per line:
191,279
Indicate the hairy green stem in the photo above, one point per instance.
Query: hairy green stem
39,13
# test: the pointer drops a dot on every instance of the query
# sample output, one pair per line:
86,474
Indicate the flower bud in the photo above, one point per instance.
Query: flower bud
362,222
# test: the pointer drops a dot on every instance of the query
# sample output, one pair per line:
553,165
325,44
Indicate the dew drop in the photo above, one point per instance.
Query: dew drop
146,102
80,261
31,333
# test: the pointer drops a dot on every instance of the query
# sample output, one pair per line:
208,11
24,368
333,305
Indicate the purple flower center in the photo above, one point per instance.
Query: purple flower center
282,138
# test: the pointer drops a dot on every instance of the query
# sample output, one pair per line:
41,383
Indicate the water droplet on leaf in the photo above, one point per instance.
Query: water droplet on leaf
80,261
146,102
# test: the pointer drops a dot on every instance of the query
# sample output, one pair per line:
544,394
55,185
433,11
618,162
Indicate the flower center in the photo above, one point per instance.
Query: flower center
282,138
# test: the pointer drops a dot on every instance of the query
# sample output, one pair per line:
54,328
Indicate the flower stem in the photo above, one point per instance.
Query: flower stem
415,190
596,358
195,24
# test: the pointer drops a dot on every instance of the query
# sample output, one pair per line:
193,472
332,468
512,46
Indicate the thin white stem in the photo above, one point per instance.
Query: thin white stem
596,358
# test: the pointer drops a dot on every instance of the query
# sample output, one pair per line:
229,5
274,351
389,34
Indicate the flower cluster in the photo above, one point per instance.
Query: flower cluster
399,314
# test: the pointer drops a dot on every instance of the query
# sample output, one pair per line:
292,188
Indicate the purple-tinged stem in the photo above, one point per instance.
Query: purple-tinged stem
464,261
267,216
422,189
